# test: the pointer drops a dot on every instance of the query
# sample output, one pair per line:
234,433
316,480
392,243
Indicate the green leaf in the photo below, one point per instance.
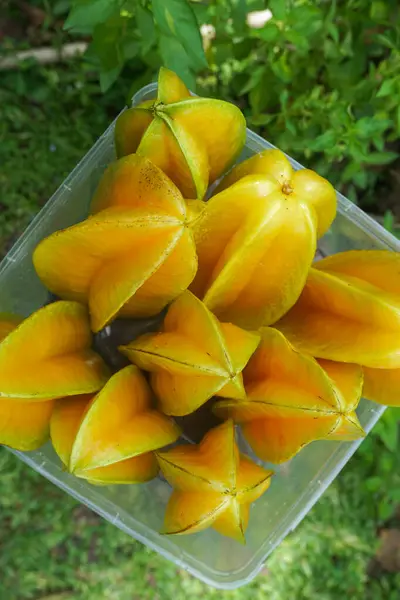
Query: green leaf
333,32
106,44
129,47
259,97
387,88
323,141
61,7
361,179
373,484
278,9
175,58
269,33
378,10
367,127
86,15
388,220
239,13
176,19
381,158
147,31
107,78
385,509
255,78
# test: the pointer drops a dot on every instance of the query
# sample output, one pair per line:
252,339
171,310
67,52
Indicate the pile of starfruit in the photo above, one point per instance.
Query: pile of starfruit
197,274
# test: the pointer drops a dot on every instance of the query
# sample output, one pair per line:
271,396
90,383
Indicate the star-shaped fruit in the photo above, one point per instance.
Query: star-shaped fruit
291,400
349,310
132,257
303,186
382,386
109,438
214,485
193,358
256,239
23,425
193,140
48,356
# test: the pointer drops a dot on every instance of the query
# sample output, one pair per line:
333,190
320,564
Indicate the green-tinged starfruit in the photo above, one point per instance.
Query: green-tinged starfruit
214,485
349,310
109,438
48,356
193,358
23,425
193,140
256,241
291,400
132,257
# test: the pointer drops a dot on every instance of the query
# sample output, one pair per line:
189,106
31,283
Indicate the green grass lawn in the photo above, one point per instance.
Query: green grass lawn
51,548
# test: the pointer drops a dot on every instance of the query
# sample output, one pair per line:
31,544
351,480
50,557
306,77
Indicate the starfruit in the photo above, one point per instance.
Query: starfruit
256,239
193,140
291,400
382,386
132,257
303,186
349,310
193,358
109,438
23,425
214,485
48,356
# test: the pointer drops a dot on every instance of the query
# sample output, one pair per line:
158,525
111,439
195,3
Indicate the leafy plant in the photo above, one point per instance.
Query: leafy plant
318,79
380,464
161,31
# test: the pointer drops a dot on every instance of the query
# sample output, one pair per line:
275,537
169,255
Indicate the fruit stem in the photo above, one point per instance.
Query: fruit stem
287,188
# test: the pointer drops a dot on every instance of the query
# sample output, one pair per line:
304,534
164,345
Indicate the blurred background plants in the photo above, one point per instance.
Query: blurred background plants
321,80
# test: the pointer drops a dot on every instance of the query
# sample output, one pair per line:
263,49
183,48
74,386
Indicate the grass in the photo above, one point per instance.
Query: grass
51,548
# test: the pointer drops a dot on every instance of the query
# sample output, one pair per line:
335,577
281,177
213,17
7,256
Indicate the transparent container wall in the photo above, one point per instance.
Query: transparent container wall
139,510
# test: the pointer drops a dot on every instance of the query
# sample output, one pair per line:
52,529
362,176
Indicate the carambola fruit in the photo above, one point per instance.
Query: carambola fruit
304,186
256,239
48,356
133,256
193,140
193,358
214,485
291,400
349,310
382,386
23,425
109,438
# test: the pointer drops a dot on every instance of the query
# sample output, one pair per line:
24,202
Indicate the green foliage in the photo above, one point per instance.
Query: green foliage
152,33
321,80
380,464
50,117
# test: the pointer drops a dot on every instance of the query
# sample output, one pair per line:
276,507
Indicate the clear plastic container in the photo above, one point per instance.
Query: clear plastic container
138,510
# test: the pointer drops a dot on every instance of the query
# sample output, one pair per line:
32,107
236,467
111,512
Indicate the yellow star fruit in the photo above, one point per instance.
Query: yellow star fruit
291,400
214,485
42,357
109,438
133,256
349,310
193,358
193,140
256,239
